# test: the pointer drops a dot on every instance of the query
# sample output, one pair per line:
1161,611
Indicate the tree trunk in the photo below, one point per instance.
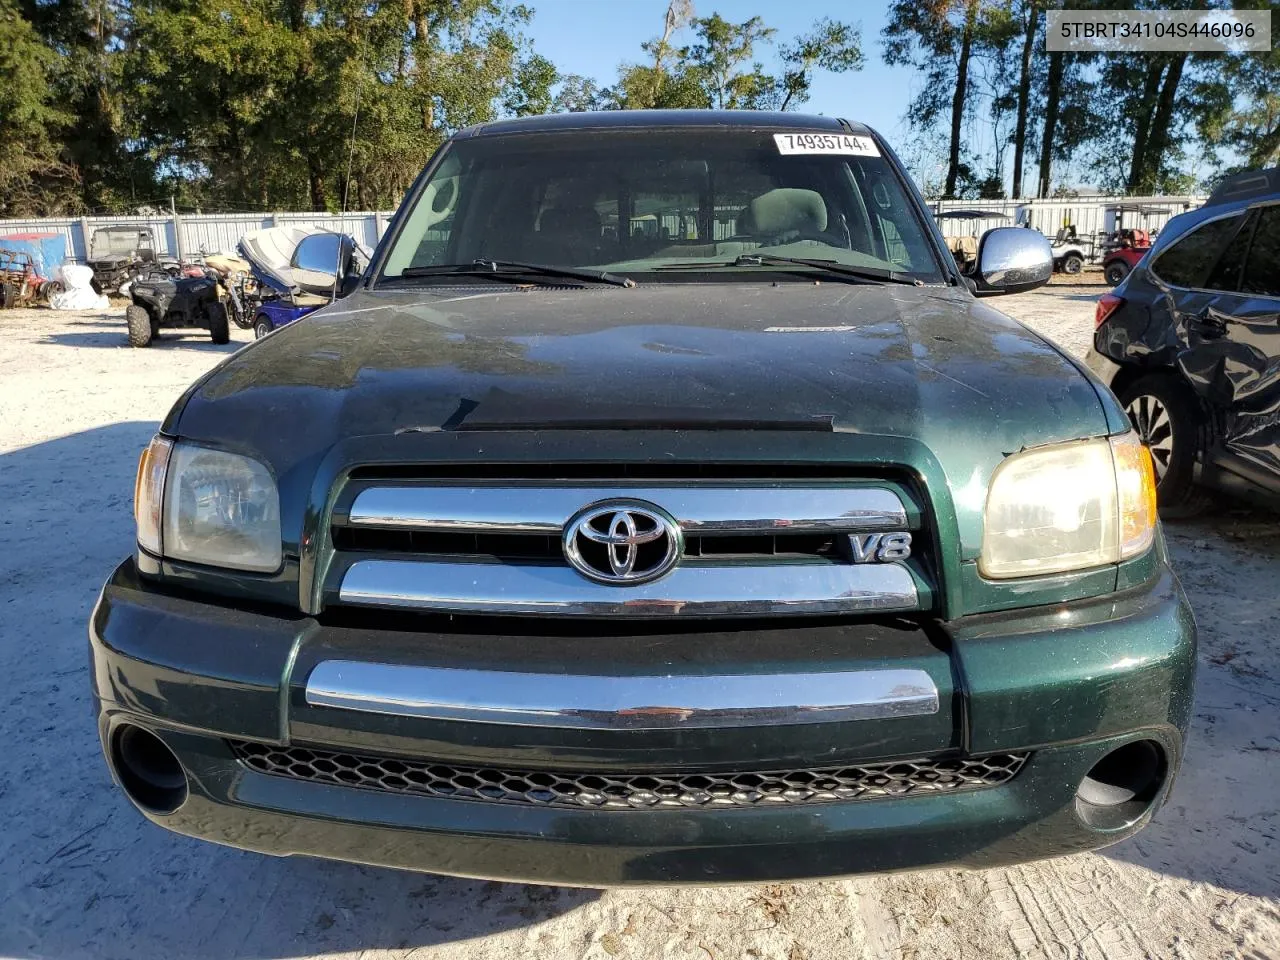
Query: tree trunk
315,178
1024,98
1052,104
1158,141
1142,124
957,101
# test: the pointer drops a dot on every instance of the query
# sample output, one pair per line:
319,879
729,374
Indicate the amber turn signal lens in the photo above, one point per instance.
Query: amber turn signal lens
148,492
1136,489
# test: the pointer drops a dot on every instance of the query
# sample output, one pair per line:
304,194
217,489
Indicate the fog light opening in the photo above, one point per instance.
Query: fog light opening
1122,786
148,770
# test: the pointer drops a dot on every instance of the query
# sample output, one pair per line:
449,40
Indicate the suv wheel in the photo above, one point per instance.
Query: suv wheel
1170,423
139,322
1072,263
219,322
1116,272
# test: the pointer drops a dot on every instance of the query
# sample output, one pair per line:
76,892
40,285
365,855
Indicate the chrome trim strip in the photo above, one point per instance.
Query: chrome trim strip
688,590
699,509
620,702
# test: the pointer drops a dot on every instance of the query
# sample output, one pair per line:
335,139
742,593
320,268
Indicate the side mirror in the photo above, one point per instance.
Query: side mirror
1012,260
322,254
347,284
322,260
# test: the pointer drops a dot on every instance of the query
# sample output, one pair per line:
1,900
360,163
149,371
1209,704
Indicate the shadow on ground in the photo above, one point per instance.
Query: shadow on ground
84,874
116,338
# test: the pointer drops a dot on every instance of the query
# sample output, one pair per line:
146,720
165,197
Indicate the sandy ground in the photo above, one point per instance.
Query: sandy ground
82,875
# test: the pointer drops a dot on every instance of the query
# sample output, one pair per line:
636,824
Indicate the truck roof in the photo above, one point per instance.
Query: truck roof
635,119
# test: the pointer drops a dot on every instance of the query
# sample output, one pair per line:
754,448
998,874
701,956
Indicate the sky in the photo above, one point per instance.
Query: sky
592,37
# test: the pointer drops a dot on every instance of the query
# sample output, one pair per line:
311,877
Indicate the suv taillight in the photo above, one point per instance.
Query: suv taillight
1108,303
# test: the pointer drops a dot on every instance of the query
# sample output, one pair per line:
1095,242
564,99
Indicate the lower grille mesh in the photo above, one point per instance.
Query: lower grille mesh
633,791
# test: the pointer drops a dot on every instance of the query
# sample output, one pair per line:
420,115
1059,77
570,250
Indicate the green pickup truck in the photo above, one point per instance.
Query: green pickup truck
661,505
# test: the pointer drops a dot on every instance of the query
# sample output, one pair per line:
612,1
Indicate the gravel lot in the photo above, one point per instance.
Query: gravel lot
82,875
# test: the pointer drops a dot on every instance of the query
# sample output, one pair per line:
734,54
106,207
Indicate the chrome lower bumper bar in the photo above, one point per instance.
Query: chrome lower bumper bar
626,702
689,590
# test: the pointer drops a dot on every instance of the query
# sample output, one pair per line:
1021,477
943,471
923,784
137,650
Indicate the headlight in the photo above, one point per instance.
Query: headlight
1069,506
219,508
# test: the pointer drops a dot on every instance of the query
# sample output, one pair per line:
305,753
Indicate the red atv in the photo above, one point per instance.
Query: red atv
1132,246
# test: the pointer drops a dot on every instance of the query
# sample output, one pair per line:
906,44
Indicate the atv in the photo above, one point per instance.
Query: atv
161,301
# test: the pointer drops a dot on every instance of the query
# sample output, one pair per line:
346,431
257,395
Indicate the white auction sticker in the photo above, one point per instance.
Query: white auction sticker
847,144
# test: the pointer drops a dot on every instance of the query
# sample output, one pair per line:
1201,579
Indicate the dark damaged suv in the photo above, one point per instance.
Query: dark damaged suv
660,505
1190,342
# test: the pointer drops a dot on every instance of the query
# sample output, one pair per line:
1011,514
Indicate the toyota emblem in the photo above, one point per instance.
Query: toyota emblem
622,542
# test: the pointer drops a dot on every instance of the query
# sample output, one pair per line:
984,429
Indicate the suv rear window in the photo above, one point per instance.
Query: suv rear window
1187,262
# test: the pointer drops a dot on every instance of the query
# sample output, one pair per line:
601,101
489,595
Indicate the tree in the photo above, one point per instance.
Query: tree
286,103
832,46
577,94
1242,112
940,40
1030,18
719,68
1052,106
34,180
90,41
530,92
722,50
666,81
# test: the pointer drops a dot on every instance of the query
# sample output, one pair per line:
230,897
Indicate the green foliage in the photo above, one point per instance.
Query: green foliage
259,103
530,93
262,104
720,57
577,94
719,68
832,46
1134,122
33,179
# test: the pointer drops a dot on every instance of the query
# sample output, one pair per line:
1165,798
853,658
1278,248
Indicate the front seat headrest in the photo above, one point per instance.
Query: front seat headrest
783,210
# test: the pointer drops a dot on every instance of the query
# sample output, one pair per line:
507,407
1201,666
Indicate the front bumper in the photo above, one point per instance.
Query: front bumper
1068,684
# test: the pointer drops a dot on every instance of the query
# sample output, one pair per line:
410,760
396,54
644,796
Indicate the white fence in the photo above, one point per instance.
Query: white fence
1089,215
210,232
220,232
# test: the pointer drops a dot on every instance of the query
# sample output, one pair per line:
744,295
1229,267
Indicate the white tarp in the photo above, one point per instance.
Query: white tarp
77,290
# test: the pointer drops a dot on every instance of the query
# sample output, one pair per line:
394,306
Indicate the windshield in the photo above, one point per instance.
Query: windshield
663,205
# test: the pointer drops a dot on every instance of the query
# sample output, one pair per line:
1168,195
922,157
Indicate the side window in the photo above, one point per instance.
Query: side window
1188,261
1262,274
1230,269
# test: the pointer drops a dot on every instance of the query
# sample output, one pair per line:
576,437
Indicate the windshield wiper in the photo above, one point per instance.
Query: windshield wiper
513,271
827,266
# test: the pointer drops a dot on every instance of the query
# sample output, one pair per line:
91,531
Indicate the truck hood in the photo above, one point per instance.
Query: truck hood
927,364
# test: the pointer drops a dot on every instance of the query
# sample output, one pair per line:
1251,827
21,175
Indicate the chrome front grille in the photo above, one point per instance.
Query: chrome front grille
747,548
634,791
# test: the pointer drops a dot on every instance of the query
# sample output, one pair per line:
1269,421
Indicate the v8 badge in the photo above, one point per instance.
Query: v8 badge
879,547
